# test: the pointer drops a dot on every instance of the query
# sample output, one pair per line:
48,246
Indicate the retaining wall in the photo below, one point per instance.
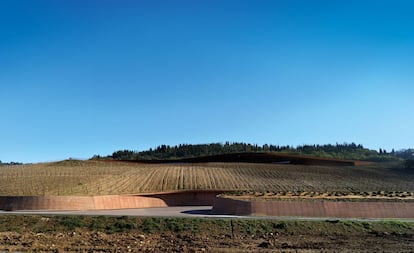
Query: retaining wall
183,198
362,209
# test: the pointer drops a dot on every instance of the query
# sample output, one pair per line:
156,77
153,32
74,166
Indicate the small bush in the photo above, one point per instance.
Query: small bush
367,225
395,224
177,225
151,225
99,223
71,222
281,225
332,221
124,224
409,164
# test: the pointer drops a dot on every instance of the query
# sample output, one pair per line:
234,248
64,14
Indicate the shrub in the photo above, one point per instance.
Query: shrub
281,225
124,224
409,164
71,222
150,225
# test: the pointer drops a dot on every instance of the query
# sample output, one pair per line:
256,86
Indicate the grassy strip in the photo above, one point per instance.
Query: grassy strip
212,227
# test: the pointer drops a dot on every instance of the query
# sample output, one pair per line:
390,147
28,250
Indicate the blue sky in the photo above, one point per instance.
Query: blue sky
79,78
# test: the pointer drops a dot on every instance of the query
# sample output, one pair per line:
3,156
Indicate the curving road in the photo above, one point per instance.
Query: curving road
179,211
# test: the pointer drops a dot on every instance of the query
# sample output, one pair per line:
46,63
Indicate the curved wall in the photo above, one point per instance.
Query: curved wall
231,206
183,198
315,208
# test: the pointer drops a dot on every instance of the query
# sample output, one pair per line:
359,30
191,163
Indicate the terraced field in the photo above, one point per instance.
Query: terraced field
101,178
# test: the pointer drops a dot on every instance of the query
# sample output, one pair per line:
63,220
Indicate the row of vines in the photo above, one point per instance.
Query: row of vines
102,178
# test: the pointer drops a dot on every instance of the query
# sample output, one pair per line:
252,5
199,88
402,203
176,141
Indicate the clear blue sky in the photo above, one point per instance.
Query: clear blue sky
79,78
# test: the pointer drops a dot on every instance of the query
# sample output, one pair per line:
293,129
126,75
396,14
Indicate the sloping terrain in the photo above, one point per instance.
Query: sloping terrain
74,177
260,157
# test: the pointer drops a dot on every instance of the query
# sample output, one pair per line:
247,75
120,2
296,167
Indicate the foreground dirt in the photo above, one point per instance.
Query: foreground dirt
122,234
86,241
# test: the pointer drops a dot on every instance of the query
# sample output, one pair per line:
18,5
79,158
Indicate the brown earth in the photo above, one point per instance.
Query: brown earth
86,241
58,234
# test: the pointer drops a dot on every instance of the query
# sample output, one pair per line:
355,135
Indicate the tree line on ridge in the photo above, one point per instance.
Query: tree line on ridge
349,151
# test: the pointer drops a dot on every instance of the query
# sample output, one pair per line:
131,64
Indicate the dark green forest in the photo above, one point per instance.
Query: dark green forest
347,151
10,163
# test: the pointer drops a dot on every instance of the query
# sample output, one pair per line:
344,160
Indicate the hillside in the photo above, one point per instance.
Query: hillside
74,177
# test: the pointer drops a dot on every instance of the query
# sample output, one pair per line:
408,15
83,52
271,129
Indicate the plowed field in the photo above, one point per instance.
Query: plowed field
100,178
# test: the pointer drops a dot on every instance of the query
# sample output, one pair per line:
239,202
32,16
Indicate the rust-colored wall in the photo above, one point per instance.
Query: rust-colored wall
185,198
188,198
77,202
361,209
231,207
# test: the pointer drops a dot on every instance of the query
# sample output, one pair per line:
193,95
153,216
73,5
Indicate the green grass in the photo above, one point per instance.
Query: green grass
210,227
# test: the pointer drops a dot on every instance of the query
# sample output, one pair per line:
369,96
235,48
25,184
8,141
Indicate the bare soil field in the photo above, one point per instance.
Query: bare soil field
74,177
122,234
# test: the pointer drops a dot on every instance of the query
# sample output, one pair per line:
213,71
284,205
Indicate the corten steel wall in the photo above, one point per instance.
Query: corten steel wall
107,202
362,209
231,206
77,202
187,198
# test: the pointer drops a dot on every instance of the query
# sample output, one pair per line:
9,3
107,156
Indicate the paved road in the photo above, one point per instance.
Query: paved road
179,211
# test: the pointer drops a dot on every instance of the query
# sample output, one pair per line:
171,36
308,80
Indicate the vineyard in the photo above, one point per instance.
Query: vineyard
74,177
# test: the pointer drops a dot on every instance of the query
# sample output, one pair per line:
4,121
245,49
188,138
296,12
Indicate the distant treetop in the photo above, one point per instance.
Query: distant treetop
350,151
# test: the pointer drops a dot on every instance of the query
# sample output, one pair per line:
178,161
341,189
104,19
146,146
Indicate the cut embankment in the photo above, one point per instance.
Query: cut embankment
183,198
336,209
